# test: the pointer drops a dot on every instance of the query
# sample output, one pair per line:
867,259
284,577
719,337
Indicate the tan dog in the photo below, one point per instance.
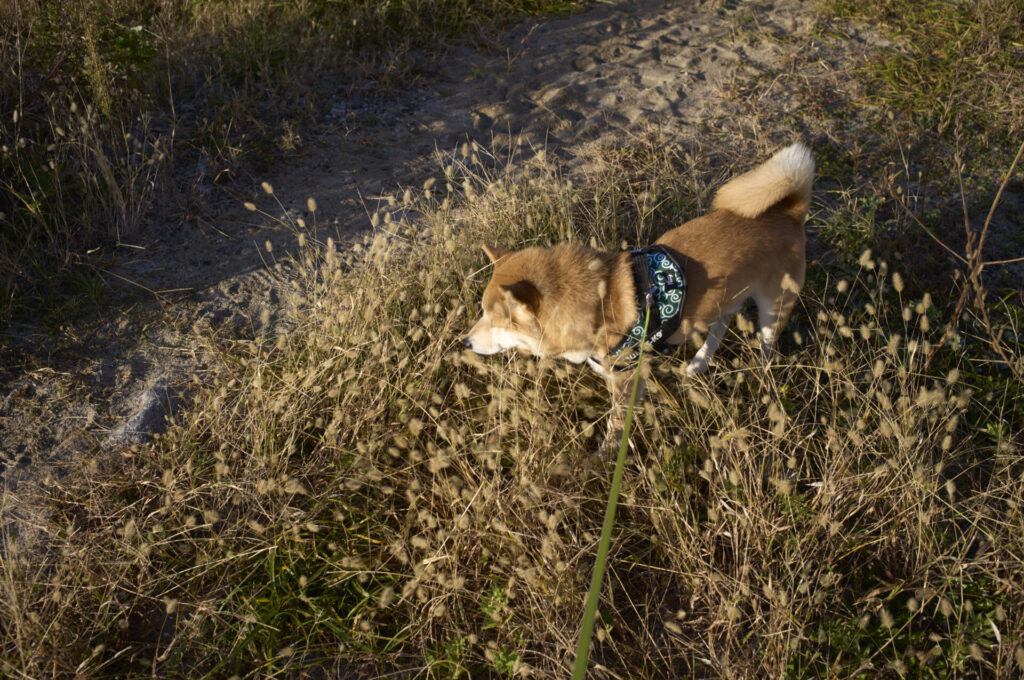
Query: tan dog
578,303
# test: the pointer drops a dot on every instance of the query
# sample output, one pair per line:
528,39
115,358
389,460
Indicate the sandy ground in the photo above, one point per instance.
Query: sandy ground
718,71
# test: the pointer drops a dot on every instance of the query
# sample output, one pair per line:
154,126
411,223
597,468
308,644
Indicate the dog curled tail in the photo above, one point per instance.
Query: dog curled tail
782,183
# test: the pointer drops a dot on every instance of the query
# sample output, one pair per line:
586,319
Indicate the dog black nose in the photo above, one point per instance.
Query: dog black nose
466,342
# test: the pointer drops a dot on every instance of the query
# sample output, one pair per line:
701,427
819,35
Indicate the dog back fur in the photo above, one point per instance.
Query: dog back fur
749,245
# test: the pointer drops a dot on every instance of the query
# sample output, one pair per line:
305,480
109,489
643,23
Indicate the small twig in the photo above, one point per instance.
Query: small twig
963,194
999,194
948,333
928,231
1009,261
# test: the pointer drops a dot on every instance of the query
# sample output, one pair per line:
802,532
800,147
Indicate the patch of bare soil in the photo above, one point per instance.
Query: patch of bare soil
708,75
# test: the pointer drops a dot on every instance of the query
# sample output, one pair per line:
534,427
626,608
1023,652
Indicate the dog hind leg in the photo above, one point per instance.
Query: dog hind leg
772,314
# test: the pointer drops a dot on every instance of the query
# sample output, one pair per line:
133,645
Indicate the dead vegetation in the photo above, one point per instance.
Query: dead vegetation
350,493
356,493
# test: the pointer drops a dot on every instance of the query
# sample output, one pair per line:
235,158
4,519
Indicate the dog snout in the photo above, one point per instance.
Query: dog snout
467,343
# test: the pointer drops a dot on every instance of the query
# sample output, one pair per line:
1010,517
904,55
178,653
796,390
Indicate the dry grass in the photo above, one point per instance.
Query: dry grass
351,491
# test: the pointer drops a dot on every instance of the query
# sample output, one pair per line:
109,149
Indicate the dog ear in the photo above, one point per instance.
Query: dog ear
495,253
522,293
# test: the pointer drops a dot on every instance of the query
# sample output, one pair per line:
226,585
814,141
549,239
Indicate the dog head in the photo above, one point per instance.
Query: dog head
511,304
552,302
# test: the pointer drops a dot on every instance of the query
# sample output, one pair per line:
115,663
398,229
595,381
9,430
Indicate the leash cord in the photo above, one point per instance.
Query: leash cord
579,670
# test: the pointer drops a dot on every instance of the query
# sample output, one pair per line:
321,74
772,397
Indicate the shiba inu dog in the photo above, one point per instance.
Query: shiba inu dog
584,305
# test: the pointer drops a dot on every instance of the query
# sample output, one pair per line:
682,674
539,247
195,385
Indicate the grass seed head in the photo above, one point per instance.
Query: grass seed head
788,284
886,618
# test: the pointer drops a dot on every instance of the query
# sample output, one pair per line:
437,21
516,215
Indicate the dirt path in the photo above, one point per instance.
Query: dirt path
567,85
604,77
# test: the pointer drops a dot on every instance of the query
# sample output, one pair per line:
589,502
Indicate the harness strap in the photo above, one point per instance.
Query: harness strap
642,279
661,288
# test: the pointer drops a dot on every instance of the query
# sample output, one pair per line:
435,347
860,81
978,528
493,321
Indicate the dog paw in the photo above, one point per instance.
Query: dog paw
606,450
695,368
609,448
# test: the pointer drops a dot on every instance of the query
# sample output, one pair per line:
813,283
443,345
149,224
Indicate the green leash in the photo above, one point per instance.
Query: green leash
579,670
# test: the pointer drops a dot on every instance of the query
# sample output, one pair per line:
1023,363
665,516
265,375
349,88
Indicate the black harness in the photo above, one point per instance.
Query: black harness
660,287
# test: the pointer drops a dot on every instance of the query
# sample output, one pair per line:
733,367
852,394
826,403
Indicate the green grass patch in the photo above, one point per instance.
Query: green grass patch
955,68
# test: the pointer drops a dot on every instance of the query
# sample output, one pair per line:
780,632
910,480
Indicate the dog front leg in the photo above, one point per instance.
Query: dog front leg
620,387
700,361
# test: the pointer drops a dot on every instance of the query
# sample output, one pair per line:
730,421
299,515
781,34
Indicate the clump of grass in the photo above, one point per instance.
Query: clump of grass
352,492
73,180
941,100
956,65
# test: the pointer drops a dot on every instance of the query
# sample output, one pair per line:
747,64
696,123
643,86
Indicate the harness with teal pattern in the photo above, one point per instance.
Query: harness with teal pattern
661,286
